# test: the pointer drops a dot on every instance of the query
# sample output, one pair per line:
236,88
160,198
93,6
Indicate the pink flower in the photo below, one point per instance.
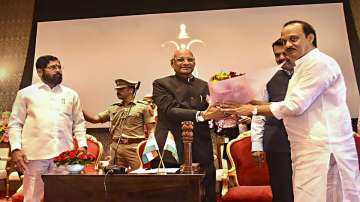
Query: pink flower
231,90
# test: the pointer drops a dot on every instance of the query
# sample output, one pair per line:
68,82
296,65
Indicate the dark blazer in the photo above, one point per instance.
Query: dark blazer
178,100
275,135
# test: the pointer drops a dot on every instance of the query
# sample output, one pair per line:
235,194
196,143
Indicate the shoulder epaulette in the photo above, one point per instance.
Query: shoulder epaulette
142,102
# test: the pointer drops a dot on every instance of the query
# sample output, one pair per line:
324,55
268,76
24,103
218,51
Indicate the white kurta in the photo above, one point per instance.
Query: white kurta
43,121
318,123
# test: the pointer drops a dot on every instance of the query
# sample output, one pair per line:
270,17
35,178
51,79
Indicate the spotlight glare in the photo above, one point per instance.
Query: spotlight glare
3,73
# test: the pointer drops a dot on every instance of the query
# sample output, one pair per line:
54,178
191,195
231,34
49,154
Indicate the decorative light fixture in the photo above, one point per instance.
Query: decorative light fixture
183,37
184,43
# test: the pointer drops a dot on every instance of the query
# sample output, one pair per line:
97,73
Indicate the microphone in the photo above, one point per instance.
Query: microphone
137,85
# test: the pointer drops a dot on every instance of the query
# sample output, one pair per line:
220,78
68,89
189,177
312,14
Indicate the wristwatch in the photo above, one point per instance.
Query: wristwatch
199,117
254,111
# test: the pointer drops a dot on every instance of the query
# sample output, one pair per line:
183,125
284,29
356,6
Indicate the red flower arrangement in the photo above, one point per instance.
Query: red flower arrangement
4,119
74,157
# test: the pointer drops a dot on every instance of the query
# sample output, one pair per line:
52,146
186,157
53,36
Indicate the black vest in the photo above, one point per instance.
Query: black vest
275,136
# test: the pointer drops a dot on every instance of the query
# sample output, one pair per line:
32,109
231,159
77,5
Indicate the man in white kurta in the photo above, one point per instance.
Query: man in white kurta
44,118
317,120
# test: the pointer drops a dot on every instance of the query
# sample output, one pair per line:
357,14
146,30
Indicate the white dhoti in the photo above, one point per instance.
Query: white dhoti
323,174
33,184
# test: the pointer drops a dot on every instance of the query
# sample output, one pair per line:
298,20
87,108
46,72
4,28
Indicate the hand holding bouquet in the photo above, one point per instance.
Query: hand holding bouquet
229,88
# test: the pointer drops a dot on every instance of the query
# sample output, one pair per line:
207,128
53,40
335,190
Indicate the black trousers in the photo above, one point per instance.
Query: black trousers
280,176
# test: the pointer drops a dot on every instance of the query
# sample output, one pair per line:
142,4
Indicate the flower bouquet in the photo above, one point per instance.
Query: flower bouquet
229,88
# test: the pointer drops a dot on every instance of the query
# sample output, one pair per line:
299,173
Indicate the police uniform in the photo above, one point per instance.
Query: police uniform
126,128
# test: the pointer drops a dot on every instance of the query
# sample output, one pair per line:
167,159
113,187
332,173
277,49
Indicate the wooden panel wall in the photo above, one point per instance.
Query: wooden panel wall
15,27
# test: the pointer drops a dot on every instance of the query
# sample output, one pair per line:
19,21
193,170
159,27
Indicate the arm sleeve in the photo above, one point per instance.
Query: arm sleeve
315,79
16,121
149,117
104,116
79,128
257,133
257,127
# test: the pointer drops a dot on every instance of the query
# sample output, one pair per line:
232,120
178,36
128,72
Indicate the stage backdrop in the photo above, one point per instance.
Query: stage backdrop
94,52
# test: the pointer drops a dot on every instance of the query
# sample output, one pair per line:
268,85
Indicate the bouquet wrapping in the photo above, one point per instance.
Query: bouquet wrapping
229,88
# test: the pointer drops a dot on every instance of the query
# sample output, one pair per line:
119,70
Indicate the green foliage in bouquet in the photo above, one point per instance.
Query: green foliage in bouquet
224,75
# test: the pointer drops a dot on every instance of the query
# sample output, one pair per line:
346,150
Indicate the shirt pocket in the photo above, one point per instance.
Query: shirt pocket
65,107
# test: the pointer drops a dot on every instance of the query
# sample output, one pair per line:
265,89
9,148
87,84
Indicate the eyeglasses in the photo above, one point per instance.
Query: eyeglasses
54,67
181,59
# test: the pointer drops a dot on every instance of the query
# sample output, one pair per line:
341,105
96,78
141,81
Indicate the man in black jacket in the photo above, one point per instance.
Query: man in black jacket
182,97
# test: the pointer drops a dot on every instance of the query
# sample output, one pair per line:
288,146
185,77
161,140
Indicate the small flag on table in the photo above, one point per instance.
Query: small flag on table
151,150
171,146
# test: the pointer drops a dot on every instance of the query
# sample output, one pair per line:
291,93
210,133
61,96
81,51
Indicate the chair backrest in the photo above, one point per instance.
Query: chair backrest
95,148
357,142
248,174
140,150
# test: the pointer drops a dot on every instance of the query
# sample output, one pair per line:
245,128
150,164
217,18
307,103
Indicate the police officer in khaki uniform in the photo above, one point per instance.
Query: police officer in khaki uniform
127,121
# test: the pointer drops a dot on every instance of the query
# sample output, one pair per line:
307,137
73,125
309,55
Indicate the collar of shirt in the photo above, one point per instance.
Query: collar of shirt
305,57
42,85
289,73
187,80
122,104
278,67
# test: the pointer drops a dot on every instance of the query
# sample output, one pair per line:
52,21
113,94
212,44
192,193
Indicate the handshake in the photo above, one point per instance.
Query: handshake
236,111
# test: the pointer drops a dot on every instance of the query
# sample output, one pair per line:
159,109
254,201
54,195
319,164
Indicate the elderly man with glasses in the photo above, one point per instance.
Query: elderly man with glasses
182,97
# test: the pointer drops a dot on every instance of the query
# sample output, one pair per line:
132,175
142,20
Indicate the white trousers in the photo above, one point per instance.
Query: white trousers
33,184
323,176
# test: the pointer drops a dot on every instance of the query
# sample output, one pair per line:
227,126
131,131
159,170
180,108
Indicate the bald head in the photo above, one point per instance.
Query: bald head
183,62
182,51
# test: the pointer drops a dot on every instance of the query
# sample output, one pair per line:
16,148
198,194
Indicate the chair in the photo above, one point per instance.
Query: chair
357,142
94,147
4,169
140,150
252,182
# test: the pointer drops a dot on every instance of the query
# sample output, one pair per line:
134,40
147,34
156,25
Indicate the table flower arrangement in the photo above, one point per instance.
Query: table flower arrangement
229,88
74,160
4,136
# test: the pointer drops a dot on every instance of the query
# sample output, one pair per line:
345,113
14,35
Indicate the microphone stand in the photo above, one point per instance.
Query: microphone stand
115,169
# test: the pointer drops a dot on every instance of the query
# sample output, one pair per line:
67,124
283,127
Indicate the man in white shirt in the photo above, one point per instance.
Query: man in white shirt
317,121
269,134
44,118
